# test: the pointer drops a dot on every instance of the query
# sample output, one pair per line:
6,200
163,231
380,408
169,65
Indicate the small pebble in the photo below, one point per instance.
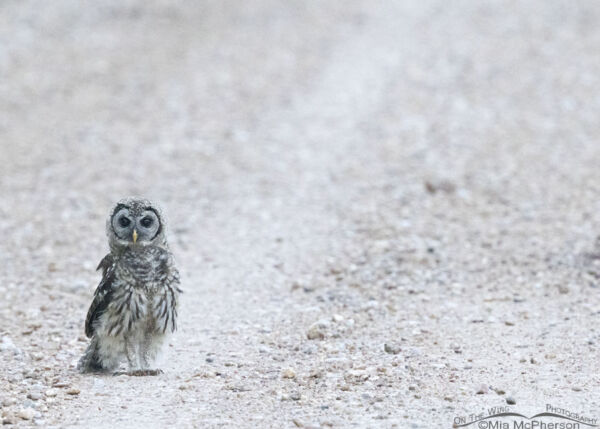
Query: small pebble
31,374
9,420
37,356
317,330
73,391
26,413
510,400
482,389
35,395
392,348
442,185
51,392
28,403
288,373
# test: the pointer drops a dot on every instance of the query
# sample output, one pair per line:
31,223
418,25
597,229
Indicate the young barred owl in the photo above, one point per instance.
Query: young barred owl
135,305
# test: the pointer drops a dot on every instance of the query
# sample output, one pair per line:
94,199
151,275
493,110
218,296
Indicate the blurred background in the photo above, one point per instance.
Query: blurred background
336,175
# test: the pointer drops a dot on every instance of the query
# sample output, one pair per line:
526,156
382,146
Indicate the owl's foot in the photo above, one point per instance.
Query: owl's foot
145,372
152,372
140,372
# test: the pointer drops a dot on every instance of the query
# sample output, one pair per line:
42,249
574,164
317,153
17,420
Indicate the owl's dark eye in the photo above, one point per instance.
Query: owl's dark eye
124,222
146,222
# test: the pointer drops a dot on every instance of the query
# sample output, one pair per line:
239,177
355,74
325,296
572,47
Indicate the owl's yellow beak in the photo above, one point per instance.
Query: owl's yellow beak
135,236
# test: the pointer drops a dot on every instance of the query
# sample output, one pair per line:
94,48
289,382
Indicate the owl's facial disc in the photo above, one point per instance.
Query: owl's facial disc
136,225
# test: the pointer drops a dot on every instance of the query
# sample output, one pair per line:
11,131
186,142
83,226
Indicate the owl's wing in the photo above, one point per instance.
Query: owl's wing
105,264
102,295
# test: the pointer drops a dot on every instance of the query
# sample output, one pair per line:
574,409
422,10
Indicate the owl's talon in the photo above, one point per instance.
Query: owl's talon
140,372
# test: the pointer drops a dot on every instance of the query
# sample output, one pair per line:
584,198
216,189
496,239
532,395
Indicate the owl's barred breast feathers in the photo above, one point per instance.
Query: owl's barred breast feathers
138,276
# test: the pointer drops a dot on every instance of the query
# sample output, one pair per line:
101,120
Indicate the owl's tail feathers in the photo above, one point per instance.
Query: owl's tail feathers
90,361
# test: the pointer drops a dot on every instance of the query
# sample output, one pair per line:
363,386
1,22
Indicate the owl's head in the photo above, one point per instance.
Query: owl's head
135,222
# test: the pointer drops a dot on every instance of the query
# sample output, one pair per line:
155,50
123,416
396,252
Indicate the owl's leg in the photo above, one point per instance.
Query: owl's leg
138,354
108,352
130,352
145,354
148,351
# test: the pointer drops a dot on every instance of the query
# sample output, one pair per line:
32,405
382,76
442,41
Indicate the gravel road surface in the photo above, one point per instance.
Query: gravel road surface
384,213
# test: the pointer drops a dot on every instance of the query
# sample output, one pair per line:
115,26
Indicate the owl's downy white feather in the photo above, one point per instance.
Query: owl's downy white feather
135,305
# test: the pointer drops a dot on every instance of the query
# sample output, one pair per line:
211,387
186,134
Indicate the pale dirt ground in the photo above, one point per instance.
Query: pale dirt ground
421,174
